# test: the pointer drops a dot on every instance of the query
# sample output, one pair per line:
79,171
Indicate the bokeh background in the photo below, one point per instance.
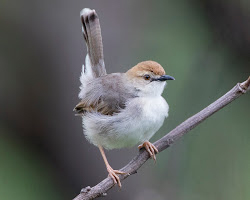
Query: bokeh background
205,45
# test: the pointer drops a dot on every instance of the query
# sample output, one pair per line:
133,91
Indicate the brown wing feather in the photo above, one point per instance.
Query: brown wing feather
101,107
106,95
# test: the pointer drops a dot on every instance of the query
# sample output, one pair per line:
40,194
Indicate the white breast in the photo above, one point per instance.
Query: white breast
138,122
155,110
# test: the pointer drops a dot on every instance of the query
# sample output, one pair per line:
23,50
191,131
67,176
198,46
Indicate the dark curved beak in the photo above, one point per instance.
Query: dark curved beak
164,78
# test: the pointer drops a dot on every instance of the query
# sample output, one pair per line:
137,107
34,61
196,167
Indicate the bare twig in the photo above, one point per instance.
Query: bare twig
101,188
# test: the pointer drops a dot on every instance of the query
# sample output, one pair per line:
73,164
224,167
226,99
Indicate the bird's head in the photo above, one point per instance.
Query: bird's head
148,77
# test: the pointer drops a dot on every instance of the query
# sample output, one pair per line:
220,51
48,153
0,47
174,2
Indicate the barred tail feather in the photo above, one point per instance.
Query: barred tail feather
92,35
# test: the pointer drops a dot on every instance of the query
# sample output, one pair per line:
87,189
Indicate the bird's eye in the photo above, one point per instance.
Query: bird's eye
146,77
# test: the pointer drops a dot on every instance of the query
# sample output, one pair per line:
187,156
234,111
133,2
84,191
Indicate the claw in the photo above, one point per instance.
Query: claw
113,174
150,148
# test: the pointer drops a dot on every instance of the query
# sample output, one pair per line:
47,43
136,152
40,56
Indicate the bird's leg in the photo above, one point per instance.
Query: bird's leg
112,173
150,148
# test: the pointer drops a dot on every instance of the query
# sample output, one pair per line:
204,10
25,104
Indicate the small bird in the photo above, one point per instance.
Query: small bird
120,109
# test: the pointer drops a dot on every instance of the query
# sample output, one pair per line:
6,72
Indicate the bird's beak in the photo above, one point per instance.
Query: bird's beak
164,78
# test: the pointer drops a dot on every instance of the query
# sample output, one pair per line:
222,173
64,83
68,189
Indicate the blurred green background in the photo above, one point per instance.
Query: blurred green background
205,45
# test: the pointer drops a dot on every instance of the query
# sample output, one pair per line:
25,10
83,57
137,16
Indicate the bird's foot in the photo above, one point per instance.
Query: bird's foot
150,148
114,175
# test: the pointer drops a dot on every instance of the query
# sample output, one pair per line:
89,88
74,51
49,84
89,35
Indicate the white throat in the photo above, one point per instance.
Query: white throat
153,89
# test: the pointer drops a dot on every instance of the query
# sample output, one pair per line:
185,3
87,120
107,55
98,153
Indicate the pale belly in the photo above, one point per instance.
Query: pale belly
141,119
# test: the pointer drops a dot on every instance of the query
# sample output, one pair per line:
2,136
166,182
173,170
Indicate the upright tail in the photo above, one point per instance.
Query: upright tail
94,63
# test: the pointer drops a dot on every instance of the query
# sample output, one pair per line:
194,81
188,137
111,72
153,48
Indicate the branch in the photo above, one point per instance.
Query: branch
131,168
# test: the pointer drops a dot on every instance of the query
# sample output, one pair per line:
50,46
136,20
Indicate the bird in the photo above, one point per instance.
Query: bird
118,110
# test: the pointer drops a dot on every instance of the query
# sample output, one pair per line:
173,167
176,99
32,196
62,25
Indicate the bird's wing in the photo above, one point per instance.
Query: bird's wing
106,95
93,38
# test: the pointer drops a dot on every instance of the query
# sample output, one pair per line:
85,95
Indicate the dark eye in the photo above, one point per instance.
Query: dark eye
146,77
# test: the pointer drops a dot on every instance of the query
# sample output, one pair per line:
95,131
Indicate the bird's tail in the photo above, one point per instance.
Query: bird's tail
94,63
